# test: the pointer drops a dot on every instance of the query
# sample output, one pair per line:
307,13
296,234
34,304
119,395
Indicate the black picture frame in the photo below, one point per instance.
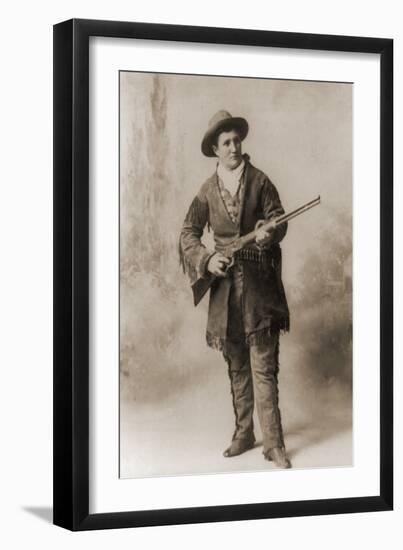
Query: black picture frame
71,273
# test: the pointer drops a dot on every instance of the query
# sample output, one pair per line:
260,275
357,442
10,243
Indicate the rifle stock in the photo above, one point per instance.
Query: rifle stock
201,286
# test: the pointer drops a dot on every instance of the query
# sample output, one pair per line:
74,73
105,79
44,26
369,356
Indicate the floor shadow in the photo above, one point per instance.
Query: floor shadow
44,513
310,433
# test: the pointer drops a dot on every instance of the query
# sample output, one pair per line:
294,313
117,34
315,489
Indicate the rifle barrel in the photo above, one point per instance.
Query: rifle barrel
250,237
286,217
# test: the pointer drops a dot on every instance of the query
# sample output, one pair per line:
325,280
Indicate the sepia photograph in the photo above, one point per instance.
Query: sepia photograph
236,258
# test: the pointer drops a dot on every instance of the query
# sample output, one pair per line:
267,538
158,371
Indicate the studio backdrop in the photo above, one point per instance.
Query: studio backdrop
175,402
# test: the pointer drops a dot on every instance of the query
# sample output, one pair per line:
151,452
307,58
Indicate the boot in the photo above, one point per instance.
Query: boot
278,457
239,446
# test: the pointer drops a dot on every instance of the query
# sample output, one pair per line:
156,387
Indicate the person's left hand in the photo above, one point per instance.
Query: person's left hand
264,236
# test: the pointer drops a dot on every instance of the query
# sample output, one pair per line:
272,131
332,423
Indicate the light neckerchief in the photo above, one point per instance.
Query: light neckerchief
231,178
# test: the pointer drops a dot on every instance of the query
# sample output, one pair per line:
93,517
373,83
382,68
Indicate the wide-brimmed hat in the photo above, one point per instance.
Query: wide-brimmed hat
220,121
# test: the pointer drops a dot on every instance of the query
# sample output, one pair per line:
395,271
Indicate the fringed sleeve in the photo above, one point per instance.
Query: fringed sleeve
193,255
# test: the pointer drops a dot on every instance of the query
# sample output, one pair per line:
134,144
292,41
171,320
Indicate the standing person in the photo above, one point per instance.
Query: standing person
248,308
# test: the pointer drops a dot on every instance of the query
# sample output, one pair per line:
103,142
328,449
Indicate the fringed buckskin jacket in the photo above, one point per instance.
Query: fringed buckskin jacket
265,306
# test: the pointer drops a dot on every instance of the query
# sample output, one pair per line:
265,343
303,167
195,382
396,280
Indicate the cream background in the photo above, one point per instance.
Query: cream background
26,456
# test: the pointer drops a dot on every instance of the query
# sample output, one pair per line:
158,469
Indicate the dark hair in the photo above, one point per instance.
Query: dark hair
224,128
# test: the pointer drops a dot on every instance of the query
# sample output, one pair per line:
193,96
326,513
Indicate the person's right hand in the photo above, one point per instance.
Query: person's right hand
217,265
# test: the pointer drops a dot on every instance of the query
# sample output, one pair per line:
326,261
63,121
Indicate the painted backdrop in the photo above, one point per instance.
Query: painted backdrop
175,406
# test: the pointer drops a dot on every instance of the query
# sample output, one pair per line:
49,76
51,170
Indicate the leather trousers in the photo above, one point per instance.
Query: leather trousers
253,372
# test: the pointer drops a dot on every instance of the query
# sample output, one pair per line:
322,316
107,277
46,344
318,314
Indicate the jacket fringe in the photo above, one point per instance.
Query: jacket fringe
196,216
216,342
253,339
187,267
262,336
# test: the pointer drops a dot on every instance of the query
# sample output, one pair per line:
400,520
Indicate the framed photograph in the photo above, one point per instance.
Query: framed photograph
223,288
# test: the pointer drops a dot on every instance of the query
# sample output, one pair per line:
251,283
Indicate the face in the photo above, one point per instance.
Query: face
229,149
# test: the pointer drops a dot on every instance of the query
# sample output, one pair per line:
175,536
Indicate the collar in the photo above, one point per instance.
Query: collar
231,178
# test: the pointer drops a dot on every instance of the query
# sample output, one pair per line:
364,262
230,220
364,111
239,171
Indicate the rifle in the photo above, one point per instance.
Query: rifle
201,286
